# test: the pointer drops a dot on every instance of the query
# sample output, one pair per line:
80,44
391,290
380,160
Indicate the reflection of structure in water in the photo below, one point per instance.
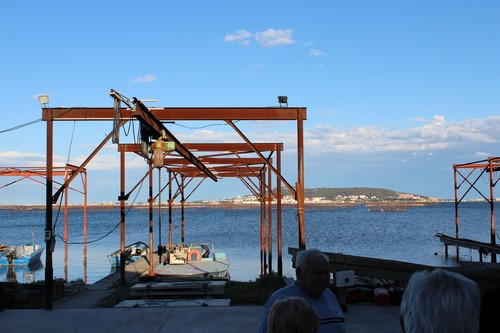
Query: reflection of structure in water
21,274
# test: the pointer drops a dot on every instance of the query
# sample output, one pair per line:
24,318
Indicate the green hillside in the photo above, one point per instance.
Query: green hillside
332,192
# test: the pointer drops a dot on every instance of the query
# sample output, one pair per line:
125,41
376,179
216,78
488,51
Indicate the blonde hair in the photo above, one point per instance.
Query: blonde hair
292,315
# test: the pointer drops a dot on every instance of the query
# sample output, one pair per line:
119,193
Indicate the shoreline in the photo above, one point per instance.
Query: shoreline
176,205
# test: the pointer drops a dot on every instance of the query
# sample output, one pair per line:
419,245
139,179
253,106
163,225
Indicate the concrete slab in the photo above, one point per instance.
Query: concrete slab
368,318
360,318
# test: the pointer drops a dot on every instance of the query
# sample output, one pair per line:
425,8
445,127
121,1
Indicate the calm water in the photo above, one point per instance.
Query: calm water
407,235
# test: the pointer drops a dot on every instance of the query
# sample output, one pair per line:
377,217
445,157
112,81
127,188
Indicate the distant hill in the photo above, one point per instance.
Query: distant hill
331,193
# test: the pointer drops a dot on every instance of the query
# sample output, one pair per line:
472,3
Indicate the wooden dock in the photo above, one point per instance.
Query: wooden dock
482,248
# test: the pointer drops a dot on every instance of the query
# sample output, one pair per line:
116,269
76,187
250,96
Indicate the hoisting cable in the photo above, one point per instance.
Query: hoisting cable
114,228
21,126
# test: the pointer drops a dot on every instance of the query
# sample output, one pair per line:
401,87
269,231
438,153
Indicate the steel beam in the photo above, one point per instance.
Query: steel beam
178,114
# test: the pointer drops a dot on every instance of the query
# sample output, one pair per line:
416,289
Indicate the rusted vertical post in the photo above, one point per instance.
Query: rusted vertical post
182,210
270,219
264,218
278,214
66,198
456,210
85,263
170,226
262,231
85,208
85,227
150,204
122,216
300,183
492,208
49,272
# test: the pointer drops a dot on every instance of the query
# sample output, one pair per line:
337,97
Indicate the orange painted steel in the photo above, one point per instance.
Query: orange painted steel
179,114
279,232
270,220
489,165
225,160
67,171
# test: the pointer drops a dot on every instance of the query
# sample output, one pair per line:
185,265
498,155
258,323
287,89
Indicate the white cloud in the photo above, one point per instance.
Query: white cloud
432,135
316,53
144,79
482,154
274,37
22,159
257,66
103,161
208,136
240,35
268,38
329,112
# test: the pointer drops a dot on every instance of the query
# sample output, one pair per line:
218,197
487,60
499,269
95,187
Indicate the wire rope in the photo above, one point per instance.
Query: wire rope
205,126
21,126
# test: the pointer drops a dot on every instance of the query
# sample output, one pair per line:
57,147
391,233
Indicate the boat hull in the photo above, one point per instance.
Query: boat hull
27,255
206,268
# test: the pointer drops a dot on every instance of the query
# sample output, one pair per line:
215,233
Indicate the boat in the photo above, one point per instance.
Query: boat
20,255
133,252
193,262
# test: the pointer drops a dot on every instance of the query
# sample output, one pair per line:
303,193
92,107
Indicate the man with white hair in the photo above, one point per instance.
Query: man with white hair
440,301
313,277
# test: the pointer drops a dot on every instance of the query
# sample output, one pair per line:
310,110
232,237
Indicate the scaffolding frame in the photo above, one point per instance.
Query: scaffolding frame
153,119
490,166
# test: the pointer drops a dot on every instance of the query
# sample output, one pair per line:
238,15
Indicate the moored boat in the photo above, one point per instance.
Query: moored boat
193,262
133,252
20,255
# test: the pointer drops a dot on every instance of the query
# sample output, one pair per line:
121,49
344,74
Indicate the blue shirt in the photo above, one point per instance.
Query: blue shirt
326,306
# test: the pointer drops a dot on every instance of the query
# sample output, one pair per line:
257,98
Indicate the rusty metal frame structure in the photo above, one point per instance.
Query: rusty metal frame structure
67,171
225,160
153,119
32,173
489,165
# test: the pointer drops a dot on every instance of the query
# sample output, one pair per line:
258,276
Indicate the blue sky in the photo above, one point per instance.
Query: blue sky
396,91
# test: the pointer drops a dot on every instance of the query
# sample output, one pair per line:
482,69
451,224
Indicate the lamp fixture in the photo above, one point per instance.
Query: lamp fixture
43,99
283,100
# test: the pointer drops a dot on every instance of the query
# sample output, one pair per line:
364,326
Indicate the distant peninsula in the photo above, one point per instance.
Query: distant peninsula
334,196
321,196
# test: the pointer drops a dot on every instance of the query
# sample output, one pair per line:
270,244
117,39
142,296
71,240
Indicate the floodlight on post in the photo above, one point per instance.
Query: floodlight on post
283,100
43,99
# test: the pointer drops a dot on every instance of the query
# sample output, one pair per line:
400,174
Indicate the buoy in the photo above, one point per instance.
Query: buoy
196,253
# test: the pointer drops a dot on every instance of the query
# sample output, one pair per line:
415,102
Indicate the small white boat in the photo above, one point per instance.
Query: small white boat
193,262
133,252
20,255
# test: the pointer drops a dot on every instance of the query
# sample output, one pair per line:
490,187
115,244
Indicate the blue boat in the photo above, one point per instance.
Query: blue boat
20,255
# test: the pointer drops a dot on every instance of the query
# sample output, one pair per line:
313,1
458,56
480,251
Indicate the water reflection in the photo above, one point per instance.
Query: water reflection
22,274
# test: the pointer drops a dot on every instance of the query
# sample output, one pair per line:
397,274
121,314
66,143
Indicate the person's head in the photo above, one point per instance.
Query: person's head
313,272
440,301
292,315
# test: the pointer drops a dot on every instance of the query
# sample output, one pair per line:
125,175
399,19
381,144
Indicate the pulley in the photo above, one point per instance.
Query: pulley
159,148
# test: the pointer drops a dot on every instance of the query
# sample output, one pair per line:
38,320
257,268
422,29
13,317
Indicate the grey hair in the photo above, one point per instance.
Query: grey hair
440,301
304,258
